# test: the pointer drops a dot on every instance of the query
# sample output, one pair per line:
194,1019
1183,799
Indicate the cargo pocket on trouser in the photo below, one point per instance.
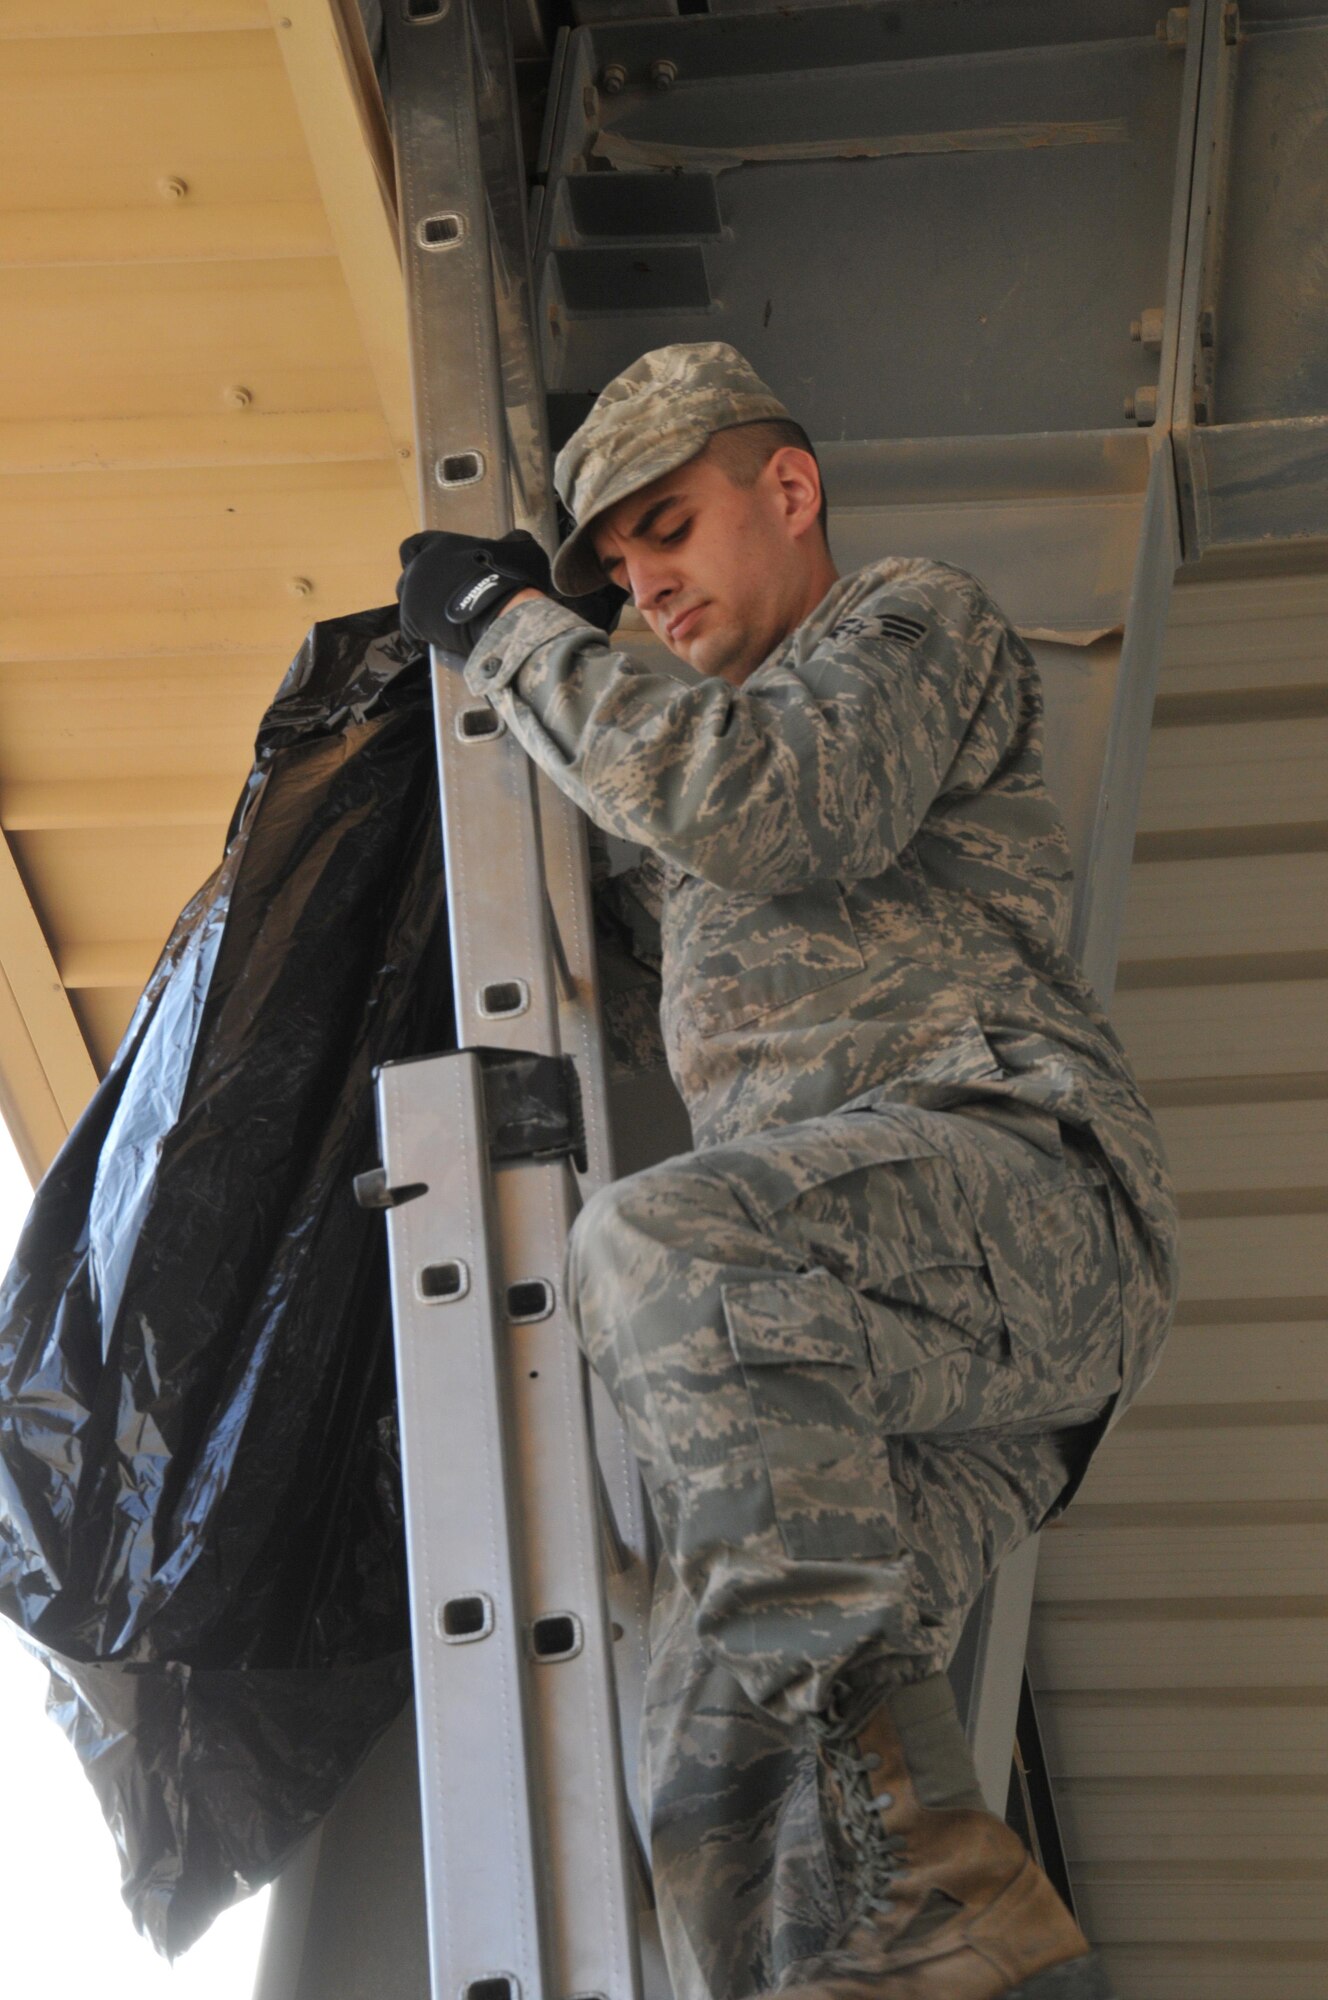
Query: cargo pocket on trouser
935,1354
800,1343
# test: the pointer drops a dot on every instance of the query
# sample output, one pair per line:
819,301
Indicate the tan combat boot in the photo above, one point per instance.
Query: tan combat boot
946,1902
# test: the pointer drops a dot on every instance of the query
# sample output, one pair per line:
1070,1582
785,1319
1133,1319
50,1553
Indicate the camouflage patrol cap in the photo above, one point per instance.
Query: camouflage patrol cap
651,419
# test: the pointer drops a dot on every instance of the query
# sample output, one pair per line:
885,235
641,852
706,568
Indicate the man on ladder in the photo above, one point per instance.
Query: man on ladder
865,1338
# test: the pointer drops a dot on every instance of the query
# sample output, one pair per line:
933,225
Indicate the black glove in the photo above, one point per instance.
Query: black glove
452,587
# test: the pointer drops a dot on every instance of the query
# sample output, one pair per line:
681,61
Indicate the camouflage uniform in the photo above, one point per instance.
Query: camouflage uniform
866,1336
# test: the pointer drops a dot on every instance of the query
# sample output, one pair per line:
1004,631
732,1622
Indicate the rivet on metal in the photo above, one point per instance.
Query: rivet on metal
237,397
1148,327
302,586
173,187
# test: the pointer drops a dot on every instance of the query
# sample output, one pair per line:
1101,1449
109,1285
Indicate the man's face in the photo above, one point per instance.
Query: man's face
722,573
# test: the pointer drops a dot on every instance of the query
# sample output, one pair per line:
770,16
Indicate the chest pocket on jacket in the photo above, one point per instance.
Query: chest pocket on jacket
741,957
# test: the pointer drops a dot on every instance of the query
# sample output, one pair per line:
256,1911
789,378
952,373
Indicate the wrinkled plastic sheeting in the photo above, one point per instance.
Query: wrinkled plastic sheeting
200,1507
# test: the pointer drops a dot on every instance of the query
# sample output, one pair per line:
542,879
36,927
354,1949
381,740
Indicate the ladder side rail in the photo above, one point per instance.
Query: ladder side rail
490,1926
539,1769
565,860
468,1613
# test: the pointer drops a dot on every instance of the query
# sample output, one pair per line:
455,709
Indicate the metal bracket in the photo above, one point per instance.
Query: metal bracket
372,1190
532,1107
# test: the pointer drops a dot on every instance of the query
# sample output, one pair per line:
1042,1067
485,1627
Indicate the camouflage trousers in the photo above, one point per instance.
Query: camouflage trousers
859,1360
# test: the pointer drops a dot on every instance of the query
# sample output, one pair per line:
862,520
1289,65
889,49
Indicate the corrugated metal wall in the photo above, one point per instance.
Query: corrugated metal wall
1181,1638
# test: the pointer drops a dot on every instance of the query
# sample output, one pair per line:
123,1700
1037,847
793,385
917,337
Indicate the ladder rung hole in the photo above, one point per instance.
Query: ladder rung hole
498,1986
556,1636
425,10
460,468
532,1299
441,232
476,725
464,1618
504,997
440,1284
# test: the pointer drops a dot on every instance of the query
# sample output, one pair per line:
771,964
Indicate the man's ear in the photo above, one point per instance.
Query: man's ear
797,479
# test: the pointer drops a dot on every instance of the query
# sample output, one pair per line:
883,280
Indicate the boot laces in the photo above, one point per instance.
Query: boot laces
876,1851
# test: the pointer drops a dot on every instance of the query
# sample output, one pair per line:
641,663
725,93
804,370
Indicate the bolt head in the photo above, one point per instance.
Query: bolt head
663,73
613,78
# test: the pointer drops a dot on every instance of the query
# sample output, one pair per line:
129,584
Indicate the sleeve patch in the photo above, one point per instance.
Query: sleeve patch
906,631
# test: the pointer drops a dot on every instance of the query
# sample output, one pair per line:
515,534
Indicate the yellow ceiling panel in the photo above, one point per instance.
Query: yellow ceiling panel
227,610
37,19
134,113
29,805
243,436
180,340
103,1014
94,718
218,232
204,446
103,887
302,517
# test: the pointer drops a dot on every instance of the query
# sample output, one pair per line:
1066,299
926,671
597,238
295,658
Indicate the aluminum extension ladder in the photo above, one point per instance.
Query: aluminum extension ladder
515,1513
527,1532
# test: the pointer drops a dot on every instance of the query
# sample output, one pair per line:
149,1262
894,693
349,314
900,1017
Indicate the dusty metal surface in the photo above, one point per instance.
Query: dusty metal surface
1252,415
992,217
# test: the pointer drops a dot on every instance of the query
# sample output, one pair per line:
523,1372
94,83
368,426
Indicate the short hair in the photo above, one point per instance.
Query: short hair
742,452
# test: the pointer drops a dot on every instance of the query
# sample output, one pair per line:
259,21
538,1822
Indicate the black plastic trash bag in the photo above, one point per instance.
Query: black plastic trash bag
200,1513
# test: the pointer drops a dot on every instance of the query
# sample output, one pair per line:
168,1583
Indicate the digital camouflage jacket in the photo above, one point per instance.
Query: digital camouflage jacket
862,884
